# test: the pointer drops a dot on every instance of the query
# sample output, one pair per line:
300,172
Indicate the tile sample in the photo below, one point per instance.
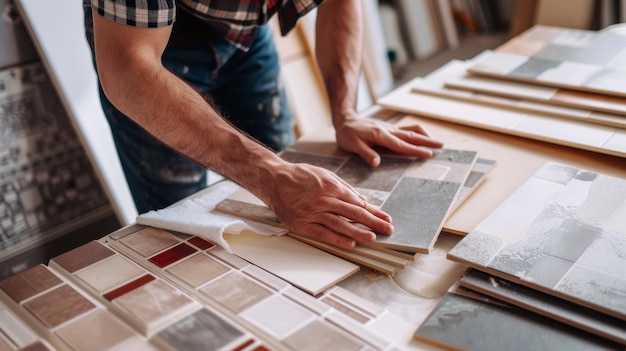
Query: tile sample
463,323
83,256
562,232
172,255
16,331
202,330
236,292
273,252
154,304
59,306
198,270
547,305
406,188
278,316
318,335
29,283
109,273
96,331
507,121
444,82
561,62
149,241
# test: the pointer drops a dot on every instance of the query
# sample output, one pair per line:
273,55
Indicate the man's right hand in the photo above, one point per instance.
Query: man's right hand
316,203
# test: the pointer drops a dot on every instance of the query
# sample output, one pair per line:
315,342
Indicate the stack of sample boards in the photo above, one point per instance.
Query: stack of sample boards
418,193
554,257
563,86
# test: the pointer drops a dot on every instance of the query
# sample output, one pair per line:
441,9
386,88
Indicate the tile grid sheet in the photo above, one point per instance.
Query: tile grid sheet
562,232
205,294
61,314
256,299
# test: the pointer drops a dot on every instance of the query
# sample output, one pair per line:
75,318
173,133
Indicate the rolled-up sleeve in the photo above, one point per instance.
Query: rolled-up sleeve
138,13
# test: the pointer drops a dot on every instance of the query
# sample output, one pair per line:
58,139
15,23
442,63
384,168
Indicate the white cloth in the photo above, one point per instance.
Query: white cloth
196,215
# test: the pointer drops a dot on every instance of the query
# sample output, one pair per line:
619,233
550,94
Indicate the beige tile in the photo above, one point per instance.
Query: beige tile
110,273
198,270
94,332
149,241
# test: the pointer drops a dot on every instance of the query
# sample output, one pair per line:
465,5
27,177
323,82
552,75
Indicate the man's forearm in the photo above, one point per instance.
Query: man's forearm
339,46
138,85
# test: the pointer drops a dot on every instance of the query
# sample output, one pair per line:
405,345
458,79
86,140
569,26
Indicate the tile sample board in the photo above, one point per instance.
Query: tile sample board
576,59
417,193
149,289
461,322
436,84
547,305
562,232
568,132
541,94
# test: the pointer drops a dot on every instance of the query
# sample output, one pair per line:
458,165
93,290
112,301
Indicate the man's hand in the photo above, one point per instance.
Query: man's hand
316,203
360,136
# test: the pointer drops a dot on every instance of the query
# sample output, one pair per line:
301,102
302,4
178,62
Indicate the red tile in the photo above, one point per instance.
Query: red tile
114,294
200,243
172,255
244,345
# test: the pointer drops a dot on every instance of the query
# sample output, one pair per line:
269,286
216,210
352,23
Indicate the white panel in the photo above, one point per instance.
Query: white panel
58,33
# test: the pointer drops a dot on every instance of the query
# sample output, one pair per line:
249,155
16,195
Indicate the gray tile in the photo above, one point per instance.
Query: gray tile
571,239
468,324
557,173
547,271
533,68
480,250
596,288
384,177
558,53
327,162
200,331
553,307
418,208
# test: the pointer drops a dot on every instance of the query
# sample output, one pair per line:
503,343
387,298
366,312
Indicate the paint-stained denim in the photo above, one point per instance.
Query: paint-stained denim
244,85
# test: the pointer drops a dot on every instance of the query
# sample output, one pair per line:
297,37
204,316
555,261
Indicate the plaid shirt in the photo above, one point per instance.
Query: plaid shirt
235,20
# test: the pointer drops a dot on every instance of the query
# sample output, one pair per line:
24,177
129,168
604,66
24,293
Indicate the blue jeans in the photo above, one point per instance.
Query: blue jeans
244,86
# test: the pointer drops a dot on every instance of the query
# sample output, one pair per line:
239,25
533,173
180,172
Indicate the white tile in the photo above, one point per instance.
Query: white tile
520,209
502,87
498,63
357,329
618,62
15,329
355,300
229,258
278,316
302,265
616,221
570,131
307,300
394,328
109,273
572,74
571,112
616,142
267,278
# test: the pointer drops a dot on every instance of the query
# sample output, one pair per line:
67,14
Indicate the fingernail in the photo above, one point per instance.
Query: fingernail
376,161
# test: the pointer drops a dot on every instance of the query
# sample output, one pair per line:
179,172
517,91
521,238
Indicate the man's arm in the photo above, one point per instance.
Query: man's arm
309,200
339,46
